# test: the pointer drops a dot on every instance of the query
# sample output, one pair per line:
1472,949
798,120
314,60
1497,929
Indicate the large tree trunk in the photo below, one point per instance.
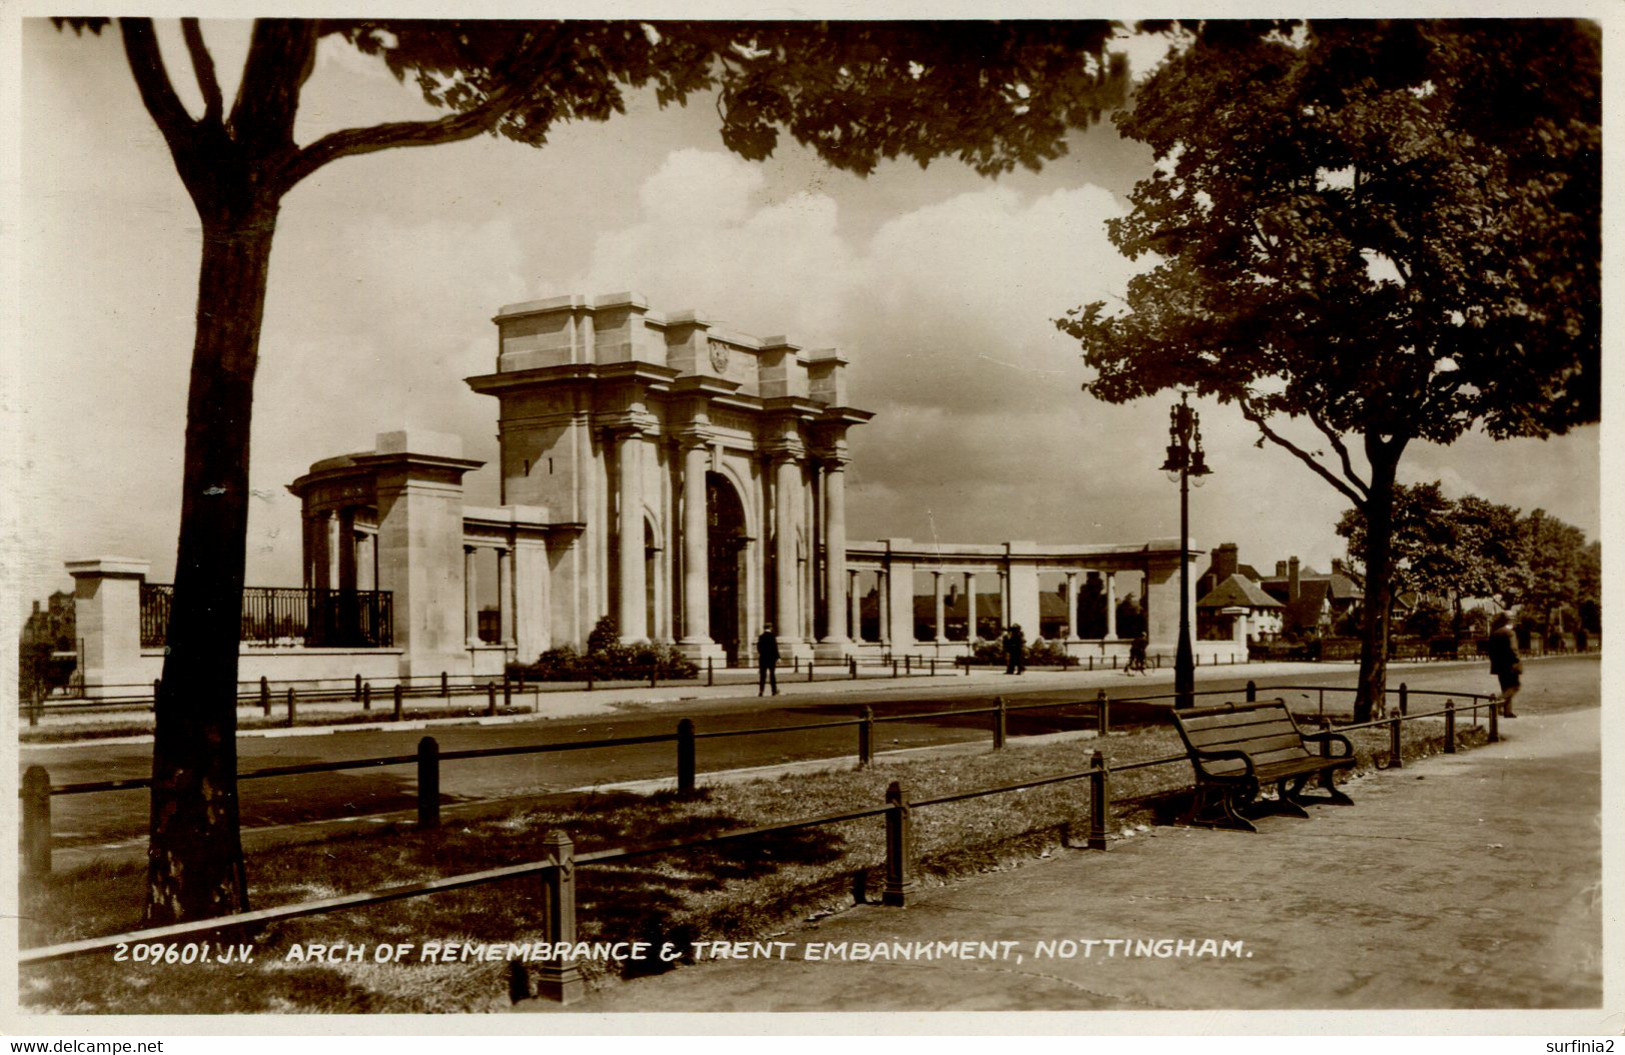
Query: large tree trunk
195,857
1371,699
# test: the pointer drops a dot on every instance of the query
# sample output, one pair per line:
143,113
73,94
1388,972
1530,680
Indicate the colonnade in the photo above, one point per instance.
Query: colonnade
341,550
896,608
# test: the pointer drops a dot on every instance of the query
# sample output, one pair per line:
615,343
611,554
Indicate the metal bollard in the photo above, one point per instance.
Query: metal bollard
866,737
1450,727
491,698
1396,760
445,686
507,693
1404,699
292,712
809,670
37,821
906,664
1103,710
710,672
999,719
685,757
366,696
1252,692
1091,662
894,668
157,686
560,978
400,709
899,849
852,667
265,695
933,666
795,664
967,666
1100,802
428,783
358,687
1495,722
653,672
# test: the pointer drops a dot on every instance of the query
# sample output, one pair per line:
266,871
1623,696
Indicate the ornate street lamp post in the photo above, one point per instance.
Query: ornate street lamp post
1185,458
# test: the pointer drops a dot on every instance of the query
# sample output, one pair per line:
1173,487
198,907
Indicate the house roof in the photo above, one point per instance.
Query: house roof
1237,590
1341,587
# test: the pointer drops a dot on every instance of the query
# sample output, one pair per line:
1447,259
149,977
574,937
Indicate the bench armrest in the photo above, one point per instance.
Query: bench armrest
1336,738
1198,755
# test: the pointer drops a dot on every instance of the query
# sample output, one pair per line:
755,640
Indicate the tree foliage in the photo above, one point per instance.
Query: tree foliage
1470,547
1385,231
993,95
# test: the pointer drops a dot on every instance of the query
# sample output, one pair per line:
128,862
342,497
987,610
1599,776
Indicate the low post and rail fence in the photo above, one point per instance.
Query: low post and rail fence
561,980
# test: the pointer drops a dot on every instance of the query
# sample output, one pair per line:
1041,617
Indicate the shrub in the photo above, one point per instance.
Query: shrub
1040,653
610,661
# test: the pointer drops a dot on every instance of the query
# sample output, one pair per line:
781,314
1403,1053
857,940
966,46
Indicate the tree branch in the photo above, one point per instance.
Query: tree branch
152,81
449,129
1341,449
1357,497
203,68
280,54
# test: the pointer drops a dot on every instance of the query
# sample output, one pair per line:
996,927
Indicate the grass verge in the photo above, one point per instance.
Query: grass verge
740,890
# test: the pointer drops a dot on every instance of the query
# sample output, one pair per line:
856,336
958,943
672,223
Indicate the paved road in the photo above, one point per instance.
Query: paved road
112,818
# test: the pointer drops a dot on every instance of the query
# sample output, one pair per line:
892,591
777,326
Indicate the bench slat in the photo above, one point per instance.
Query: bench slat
1226,733
1217,741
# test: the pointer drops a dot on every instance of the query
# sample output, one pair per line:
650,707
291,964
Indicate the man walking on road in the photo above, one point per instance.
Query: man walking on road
767,661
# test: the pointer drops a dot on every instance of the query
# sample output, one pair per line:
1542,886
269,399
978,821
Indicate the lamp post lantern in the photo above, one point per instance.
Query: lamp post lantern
1185,458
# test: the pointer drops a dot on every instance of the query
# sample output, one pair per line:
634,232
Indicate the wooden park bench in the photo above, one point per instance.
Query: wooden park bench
1237,749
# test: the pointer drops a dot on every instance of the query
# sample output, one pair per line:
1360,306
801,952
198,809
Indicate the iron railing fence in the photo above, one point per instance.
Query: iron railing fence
291,615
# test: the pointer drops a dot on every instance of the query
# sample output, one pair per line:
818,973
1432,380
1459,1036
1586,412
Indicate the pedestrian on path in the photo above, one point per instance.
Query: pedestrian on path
767,661
1136,655
1015,650
1504,662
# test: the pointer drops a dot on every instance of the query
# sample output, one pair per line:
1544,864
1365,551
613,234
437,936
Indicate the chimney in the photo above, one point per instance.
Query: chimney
1224,562
1280,569
1337,566
1292,579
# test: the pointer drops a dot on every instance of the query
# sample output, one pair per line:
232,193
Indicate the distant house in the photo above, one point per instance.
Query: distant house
1229,591
1314,602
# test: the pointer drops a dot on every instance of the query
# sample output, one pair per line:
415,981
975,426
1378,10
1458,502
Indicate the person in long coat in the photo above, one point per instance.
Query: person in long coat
1504,663
767,661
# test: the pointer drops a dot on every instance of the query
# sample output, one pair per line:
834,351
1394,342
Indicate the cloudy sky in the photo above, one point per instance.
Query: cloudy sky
940,286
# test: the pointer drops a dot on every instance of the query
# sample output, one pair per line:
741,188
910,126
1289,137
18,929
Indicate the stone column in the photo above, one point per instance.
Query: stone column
632,615
834,644
506,590
786,482
696,539
854,605
1111,606
335,547
970,608
942,624
1071,606
883,605
471,598
321,551
346,549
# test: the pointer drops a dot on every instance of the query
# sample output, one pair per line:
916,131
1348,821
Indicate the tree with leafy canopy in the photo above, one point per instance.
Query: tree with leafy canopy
993,95
1562,570
1380,232
1452,549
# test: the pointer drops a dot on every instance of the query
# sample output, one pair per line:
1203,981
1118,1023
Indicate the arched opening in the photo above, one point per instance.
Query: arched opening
725,549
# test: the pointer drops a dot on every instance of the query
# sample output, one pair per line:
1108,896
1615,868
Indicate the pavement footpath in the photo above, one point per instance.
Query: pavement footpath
1460,881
